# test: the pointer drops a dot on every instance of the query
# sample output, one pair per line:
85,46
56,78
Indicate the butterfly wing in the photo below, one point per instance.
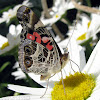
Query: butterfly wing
38,52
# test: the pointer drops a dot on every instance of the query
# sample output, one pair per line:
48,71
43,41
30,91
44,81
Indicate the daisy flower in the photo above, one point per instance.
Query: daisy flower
12,12
78,86
87,28
12,40
59,8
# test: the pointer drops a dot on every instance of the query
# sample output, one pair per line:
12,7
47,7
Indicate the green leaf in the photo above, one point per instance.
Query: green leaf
4,66
88,51
13,51
5,9
86,42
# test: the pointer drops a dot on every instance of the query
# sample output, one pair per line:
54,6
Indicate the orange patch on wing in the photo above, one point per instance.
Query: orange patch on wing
38,37
35,35
30,36
50,47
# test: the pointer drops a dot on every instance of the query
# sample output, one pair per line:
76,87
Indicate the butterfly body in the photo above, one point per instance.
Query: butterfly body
38,52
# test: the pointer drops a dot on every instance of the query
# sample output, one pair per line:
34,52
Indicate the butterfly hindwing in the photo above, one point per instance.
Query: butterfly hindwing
38,52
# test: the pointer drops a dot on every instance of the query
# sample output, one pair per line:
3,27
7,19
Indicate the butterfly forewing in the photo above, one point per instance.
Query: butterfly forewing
38,52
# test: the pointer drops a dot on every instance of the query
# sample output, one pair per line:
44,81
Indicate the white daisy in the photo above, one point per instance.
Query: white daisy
81,85
87,28
12,40
59,8
12,12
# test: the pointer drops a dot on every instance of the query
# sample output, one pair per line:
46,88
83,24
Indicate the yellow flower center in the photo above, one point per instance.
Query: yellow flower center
57,16
78,87
89,24
9,15
82,37
5,45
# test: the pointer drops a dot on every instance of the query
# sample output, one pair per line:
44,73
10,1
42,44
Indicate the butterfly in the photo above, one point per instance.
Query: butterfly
38,52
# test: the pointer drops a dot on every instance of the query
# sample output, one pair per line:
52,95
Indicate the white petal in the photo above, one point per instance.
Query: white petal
95,21
57,39
82,57
96,92
97,86
12,29
2,20
76,53
18,74
70,6
85,20
93,64
13,35
16,8
18,29
29,90
16,65
27,3
95,95
43,82
97,83
26,97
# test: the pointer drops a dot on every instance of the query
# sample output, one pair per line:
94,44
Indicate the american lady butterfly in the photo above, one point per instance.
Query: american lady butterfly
38,52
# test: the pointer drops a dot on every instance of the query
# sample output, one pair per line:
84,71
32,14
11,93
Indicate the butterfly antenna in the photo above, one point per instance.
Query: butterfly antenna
67,46
72,33
46,88
76,64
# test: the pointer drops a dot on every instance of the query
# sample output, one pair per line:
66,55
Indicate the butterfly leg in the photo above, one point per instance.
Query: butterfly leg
63,82
46,88
75,64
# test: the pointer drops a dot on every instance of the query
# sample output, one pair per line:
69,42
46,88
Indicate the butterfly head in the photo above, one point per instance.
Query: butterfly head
64,59
26,17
